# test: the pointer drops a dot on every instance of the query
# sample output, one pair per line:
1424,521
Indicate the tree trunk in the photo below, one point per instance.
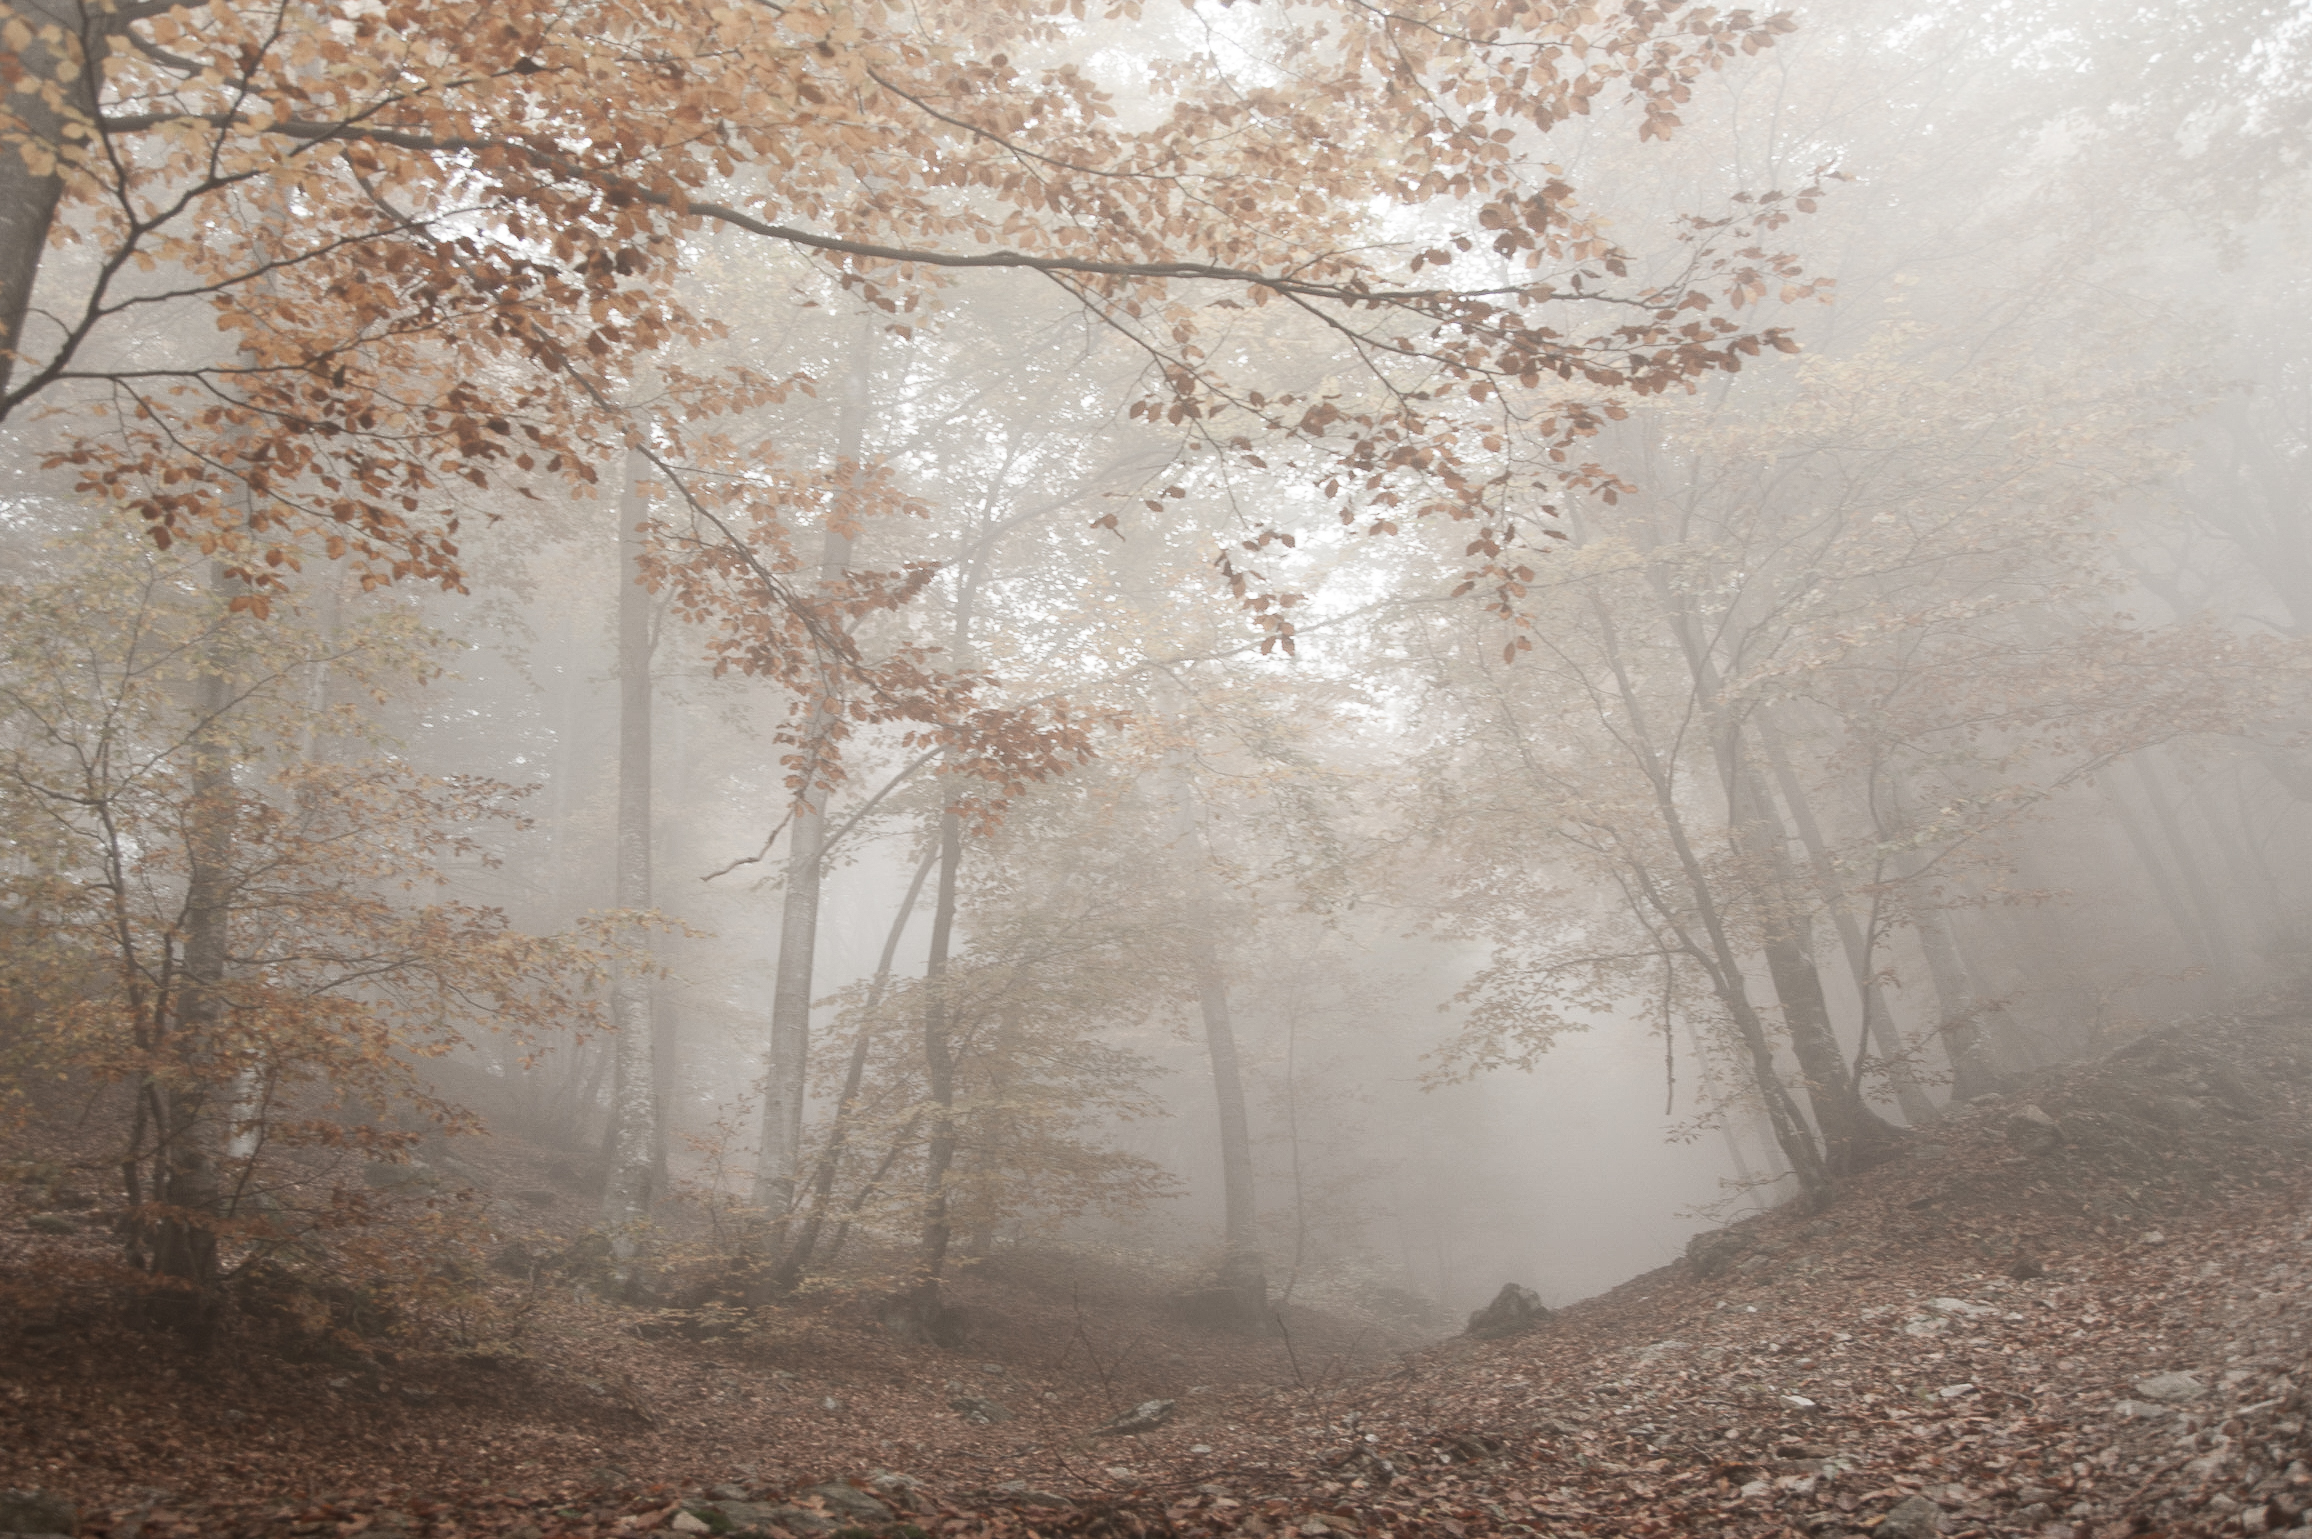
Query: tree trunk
2223,968
29,198
2182,915
1972,1072
183,1240
1713,950
993,1125
797,1256
627,1193
780,1159
918,1313
1854,1137
1877,1020
1243,1270
666,1075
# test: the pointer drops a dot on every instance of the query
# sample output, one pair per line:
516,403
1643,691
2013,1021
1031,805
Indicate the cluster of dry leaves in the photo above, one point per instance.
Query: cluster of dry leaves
2098,1333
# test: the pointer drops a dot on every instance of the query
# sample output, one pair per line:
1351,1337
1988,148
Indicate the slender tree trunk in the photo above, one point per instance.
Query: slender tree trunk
1973,1070
1243,1270
797,1256
187,1132
627,1193
919,1313
993,1124
791,1008
1974,1067
2181,914
780,1159
1853,1136
1712,950
666,1073
2224,969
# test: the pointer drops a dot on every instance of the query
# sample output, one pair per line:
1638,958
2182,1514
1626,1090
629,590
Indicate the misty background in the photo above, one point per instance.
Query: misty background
1953,668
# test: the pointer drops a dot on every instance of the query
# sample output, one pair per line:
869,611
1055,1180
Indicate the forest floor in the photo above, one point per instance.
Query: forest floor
2079,1310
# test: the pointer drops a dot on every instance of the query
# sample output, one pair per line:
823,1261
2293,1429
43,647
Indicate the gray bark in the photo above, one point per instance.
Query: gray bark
1974,1067
1243,1269
939,1073
626,1195
1853,1136
779,1161
28,199
2180,910
797,1256
2222,967
1877,1020
184,1239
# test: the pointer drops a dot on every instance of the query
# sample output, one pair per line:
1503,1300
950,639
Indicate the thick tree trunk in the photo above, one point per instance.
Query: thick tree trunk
1877,1020
627,1194
1854,1137
29,196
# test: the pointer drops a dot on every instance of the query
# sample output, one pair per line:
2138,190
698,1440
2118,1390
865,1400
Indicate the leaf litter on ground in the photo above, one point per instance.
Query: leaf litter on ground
2093,1333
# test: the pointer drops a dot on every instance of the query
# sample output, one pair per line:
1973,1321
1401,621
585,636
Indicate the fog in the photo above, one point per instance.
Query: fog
942,824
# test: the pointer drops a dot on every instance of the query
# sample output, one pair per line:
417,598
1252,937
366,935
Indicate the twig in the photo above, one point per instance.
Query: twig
1292,1356
768,840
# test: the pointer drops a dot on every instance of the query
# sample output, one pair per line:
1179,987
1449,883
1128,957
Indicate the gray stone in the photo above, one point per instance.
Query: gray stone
850,1501
1714,1250
1147,1416
1514,1309
2033,1131
902,1491
979,1410
2171,1387
1914,1517
737,1514
37,1512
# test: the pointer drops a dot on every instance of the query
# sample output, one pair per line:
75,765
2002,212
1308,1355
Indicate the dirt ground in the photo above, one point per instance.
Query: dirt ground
2081,1309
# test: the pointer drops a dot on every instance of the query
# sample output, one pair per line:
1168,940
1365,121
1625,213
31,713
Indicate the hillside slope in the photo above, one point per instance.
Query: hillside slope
2082,1308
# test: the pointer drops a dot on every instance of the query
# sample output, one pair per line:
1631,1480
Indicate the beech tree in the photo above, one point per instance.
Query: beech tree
1819,675
242,940
495,205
